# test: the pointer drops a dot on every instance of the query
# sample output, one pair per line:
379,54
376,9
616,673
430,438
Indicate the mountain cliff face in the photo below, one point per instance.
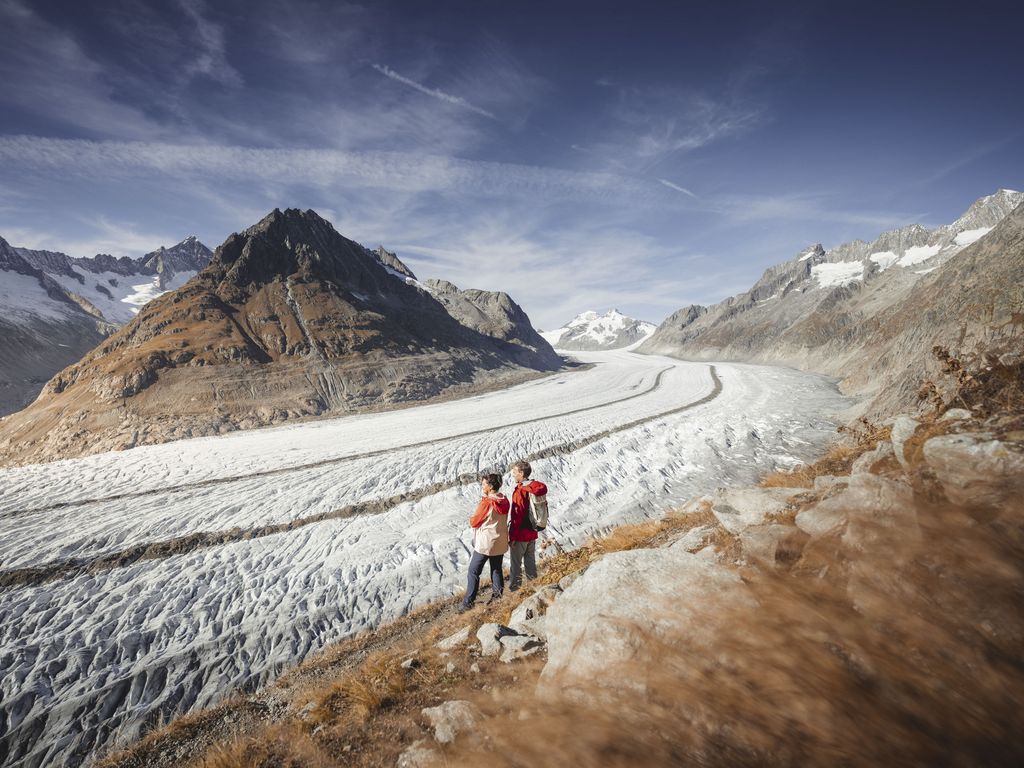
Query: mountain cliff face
823,309
493,313
43,327
289,319
590,331
55,308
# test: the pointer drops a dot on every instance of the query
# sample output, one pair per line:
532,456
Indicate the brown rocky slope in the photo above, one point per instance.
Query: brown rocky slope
290,319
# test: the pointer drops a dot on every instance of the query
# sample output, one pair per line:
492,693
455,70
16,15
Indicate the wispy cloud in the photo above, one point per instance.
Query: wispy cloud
211,59
647,127
100,235
677,188
804,208
399,171
434,92
46,73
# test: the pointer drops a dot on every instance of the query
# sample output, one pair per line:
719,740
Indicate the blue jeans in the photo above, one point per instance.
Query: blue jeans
476,567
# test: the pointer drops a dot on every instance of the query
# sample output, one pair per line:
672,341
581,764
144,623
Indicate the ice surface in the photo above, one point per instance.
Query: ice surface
917,254
969,236
837,273
87,661
884,259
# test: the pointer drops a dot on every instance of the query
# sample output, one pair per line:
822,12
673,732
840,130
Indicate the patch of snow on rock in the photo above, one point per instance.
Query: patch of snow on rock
918,253
884,259
969,236
838,273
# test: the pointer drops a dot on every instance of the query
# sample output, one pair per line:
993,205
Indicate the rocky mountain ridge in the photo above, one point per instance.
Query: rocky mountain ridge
868,313
289,319
590,331
54,308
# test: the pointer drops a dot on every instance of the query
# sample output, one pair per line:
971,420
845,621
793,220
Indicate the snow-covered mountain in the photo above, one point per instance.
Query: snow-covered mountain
54,308
589,331
118,288
835,311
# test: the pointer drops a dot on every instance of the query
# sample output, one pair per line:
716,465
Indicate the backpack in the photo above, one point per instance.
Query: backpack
538,512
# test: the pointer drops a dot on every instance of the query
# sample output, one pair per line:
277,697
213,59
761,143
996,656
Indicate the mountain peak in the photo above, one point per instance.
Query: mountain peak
590,330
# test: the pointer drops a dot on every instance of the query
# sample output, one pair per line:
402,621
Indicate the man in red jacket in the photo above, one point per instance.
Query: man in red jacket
521,535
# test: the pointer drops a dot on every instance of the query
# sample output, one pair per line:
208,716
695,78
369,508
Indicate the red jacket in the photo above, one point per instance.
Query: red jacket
518,524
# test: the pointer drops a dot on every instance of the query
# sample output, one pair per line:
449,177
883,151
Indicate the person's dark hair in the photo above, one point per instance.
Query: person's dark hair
492,480
524,467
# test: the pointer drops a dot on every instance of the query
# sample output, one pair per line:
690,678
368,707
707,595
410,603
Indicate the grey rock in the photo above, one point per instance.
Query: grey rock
737,508
868,460
490,636
411,663
419,755
608,616
768,544
827,482
693,539
903,428
450,719
956,414
975,469
516,647
454,640
823,517
568,579
528,617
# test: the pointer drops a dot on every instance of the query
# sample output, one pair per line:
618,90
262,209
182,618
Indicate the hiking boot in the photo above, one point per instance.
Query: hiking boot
493,599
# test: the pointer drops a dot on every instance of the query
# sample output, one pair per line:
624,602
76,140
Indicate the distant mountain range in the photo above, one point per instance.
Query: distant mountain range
869,313
289,319
54,308
589,331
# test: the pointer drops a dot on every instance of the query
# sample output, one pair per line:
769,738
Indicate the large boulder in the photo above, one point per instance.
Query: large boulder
976,470
490,636
606,626
737,508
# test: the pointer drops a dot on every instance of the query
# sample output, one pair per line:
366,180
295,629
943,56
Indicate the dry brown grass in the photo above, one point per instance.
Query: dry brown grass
281,746
987,381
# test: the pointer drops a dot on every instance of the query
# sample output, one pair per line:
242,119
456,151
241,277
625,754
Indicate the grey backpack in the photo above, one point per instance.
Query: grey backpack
538,512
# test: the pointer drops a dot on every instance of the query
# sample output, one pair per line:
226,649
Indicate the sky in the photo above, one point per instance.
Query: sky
578,155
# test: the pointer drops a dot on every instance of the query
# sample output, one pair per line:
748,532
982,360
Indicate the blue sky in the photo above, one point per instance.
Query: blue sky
580,155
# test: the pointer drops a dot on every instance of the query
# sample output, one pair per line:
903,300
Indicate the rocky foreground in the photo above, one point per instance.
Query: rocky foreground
863,610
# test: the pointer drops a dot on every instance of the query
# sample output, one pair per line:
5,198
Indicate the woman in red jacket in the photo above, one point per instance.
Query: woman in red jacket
490,540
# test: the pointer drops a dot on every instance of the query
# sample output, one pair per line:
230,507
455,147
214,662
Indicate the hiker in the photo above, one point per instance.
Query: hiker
490,540
521,533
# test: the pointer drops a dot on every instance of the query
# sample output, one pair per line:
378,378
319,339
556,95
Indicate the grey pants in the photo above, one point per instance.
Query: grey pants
523,553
